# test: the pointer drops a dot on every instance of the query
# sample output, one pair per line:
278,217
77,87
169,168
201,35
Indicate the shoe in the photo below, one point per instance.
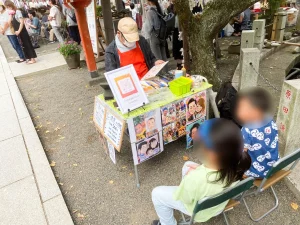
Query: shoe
156,222
36,47
20,61
51,42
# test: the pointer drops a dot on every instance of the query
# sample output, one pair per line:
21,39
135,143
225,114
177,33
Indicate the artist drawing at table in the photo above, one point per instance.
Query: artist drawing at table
130,48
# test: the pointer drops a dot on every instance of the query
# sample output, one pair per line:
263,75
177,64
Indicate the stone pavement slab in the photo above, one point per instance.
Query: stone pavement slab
6,103
47,184
26,179
55,213
27,210
9,126
14,164
43,62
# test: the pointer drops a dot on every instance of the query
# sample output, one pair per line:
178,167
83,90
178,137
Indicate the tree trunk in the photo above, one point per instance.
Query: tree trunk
201,31
108,24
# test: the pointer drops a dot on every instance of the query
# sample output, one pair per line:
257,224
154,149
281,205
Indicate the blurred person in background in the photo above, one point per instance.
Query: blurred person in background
72,24
17,21
6,29
55,21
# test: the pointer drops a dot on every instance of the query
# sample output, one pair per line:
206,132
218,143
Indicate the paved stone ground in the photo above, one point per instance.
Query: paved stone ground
61,105
29,192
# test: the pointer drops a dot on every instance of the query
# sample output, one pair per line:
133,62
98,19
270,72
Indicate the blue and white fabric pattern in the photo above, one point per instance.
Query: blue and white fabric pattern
261,140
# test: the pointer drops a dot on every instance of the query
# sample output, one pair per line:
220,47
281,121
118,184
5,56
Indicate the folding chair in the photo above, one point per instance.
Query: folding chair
275,174
229,193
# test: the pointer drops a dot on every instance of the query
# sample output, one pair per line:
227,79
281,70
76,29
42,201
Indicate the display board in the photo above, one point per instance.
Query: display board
91,21
99,114
126,88
114,129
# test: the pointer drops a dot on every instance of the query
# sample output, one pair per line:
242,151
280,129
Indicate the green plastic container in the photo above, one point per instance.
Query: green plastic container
180,86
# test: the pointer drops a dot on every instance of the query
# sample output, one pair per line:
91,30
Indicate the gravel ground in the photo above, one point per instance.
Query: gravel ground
97,191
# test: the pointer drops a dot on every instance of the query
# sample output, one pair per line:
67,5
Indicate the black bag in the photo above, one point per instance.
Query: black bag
73,17
167,25
225,100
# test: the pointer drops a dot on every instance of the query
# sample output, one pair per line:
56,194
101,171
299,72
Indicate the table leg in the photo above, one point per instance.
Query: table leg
136,176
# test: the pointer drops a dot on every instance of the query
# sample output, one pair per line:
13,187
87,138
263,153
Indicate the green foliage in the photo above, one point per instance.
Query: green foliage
69,48
99,11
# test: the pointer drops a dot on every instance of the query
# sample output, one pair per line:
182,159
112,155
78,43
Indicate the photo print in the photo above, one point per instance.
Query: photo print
192,132
195,106
168,114
143,126
147,148
180,109
180,127
169,133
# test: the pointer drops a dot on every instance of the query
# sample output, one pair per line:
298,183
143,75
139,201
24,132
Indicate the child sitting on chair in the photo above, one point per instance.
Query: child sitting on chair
221,145
259,130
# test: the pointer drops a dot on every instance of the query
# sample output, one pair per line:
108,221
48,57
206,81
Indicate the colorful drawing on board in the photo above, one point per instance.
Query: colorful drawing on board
125,85
195,106
148,148
180,109
192,132
168,114
145,125
169,133
180,127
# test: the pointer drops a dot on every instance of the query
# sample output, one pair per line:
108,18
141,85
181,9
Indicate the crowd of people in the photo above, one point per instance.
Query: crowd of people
26,24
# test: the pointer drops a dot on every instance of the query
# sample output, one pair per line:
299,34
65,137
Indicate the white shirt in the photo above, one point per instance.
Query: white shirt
133,13
3,19
31,4
55,13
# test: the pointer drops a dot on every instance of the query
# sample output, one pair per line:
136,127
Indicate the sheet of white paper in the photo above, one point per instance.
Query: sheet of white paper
112,152
154,71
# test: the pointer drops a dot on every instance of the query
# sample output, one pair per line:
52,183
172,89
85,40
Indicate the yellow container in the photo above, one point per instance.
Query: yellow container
180,86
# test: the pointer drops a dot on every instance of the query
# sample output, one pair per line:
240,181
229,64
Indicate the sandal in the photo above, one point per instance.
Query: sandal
31,62
20,61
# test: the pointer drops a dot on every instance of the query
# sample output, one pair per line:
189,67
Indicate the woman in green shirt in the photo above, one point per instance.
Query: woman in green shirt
224,163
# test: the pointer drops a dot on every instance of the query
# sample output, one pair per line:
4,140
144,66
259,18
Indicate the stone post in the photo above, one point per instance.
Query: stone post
249,58
259,28
288,117
247,40
280,26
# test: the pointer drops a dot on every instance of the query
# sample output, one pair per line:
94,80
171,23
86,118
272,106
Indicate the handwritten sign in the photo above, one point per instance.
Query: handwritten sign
113,130
91,21
112,153
99,114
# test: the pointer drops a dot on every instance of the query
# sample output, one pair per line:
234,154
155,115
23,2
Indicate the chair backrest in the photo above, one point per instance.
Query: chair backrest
225,195
283,162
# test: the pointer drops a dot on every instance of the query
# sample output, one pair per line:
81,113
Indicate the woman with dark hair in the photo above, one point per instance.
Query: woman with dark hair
17,21
156,44
224,164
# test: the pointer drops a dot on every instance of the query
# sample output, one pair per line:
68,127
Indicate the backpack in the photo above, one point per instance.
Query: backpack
167,25
225,100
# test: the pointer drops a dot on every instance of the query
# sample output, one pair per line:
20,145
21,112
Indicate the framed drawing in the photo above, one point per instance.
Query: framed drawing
127,89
